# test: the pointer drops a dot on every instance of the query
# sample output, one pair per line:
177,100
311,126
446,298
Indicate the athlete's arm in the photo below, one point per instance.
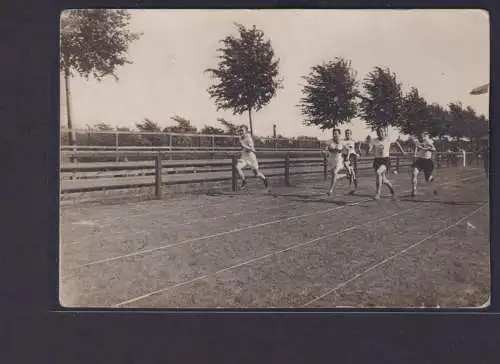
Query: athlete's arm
247,145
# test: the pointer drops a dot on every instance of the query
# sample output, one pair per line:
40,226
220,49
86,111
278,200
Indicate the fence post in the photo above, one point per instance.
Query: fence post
287,170
158,173
234,173
116,146
464,155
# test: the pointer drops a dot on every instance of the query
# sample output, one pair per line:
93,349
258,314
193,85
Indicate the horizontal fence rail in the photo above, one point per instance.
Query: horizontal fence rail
116,139
155,169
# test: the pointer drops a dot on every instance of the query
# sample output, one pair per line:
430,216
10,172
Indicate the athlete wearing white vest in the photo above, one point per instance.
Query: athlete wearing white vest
333,151
248,157
423,161
382,162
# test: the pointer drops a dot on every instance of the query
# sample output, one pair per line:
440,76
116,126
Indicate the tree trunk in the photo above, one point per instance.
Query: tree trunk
68,106
68,109
250,120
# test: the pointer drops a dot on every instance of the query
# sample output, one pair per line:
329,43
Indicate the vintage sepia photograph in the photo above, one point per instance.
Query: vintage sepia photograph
274,159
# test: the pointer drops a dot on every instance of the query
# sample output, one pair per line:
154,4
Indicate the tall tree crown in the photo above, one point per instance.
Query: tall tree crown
94,42
330,94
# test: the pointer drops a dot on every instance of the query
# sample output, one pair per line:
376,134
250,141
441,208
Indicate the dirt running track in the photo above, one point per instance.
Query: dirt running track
295,247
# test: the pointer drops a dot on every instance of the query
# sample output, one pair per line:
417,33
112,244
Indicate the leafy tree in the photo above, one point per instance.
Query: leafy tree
482,127
415,116
458,121
381,106
212,130
472,126
183,126
93,42
231,128
330,95
247,73
149,126
102,126
439,121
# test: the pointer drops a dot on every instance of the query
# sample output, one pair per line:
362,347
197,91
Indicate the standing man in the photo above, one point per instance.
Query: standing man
382,162
248,157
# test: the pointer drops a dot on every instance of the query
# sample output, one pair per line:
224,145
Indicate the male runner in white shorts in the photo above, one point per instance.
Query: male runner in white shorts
423,162
382,162
248,157
350,156
333,151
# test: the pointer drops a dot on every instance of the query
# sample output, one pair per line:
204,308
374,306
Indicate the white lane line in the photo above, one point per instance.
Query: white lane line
236,230
354,227
200,204
176,225
193,221
158,291
388,259
227,232
340,232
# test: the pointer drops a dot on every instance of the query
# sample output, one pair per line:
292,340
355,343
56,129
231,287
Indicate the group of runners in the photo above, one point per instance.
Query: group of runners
341,156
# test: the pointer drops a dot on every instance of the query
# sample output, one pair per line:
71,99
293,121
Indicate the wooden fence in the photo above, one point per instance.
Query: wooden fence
158,171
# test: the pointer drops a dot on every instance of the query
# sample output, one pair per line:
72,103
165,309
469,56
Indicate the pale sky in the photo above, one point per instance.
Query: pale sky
444,53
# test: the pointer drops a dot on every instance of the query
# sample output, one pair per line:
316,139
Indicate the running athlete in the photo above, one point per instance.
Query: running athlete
248,157
350,156
423,162
382,162
333,152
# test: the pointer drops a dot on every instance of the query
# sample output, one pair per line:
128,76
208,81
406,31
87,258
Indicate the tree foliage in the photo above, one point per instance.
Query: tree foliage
330,95
458,120
94,42
439,121
415,117
230,128
148,125
183,126
212,130
381,104
247,76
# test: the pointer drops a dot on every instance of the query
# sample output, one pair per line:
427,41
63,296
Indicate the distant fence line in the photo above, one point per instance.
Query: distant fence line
120,139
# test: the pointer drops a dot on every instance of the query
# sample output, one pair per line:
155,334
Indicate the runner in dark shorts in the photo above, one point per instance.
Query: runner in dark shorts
424,148
426,166
382,162
377,162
